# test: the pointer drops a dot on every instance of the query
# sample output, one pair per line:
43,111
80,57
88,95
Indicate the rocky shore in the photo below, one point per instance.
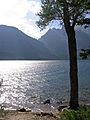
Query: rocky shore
24,114
16,115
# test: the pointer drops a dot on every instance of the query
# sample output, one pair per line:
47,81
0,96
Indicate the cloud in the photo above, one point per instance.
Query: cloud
34,7
15,13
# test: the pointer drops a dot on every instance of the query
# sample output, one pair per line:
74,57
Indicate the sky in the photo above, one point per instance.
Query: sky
21,14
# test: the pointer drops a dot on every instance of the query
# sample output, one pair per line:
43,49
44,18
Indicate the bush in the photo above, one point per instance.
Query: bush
2,111
83,113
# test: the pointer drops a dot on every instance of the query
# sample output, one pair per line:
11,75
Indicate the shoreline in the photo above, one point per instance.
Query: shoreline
48,107
41,107
29,115
23,114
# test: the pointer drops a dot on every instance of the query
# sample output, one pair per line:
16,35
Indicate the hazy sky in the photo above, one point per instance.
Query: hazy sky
21,14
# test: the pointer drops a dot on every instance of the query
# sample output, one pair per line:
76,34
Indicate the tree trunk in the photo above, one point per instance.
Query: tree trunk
73,59
73,67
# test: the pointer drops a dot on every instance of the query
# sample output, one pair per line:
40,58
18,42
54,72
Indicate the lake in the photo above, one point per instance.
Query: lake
29,83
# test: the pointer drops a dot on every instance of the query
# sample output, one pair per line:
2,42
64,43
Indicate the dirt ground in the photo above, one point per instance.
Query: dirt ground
15,115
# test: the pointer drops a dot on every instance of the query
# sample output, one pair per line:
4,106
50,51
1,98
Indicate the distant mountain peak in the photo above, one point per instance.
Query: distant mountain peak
57,42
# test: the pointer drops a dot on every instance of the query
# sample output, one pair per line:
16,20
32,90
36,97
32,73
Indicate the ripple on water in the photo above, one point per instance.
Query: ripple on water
29,83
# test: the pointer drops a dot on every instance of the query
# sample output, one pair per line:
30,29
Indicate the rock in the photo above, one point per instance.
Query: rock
47,101
22,110
46,114
61,107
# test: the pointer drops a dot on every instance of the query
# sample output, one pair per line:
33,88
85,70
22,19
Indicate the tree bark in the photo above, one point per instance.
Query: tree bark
73,59
73,68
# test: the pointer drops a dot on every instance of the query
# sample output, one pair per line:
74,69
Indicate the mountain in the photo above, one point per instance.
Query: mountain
14,44
56,41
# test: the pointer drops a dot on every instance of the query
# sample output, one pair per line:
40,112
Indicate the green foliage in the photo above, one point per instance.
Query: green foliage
75,11
85,53
2,111
83,113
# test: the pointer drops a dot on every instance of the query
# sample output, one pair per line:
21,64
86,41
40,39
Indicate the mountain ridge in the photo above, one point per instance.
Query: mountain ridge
57,42
14,44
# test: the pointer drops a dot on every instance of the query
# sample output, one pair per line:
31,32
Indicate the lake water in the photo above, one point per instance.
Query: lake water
29,83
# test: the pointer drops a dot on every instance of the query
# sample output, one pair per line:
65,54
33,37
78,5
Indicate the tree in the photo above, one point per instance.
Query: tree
70,13
85,53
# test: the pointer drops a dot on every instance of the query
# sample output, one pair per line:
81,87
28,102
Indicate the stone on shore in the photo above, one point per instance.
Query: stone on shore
61,107
47,101
22,110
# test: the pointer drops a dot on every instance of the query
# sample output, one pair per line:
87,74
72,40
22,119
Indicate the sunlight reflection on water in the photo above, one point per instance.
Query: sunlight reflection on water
28,83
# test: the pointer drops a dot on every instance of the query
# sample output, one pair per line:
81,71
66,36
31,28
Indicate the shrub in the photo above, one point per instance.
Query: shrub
2,111
83,113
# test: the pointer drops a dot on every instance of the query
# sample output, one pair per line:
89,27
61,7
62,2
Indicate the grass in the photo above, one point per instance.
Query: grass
83,113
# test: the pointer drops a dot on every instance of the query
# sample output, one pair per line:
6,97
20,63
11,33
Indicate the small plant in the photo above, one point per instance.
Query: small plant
2,111
83,113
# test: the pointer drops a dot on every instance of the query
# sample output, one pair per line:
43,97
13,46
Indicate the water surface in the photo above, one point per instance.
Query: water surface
29,83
